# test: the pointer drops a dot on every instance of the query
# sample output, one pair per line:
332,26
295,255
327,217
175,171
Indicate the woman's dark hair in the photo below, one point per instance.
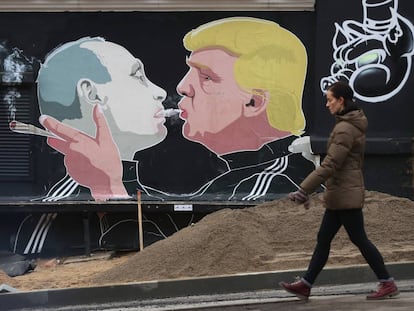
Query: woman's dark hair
342,89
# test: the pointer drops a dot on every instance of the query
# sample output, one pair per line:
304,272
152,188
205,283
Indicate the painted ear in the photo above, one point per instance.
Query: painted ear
256,105
88,92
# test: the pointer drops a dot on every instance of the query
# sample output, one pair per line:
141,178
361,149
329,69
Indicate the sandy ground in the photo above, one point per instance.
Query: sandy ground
276,235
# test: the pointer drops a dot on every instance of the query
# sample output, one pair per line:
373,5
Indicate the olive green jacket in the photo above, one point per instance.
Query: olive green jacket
341,169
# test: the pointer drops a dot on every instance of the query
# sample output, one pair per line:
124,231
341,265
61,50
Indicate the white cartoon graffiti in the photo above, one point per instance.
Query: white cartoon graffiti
14,67
374,56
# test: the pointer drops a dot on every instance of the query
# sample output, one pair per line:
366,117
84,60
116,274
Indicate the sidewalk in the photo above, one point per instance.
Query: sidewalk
350,297
353,279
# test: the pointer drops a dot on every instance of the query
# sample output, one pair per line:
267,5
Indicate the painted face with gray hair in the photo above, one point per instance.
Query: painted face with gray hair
92,71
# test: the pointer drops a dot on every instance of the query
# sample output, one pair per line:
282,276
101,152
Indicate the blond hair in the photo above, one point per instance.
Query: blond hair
270,58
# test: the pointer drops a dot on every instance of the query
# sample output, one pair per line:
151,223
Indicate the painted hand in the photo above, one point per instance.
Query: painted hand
93,162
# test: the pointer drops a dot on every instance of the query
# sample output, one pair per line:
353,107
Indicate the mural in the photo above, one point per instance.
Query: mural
100,90
240,99
374,55
15,66
242,93
51,234
218,114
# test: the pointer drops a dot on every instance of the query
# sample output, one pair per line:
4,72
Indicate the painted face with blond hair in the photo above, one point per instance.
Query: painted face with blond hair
244,84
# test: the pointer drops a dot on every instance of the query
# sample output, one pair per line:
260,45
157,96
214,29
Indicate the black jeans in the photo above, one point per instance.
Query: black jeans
353,222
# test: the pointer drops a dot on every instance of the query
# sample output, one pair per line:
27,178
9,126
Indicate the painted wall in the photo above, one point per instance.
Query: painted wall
370,45
185,126
225,135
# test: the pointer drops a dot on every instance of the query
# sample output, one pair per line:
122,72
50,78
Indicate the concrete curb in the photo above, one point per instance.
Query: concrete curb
191,287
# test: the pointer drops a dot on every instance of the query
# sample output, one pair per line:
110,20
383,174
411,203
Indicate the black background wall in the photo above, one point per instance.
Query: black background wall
155,38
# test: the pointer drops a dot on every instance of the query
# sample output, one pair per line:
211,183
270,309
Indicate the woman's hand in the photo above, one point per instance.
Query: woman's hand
300,197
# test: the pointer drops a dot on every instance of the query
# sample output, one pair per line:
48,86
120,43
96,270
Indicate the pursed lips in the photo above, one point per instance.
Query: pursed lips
158,114
183,114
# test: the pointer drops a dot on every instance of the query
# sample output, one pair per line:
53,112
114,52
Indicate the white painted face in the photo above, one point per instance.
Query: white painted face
131,100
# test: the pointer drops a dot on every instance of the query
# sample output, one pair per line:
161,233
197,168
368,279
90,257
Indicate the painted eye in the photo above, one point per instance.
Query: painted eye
369,58
139,74
206,77
137,71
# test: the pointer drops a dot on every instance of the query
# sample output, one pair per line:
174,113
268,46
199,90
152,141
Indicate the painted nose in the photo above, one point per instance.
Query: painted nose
160,95
185,89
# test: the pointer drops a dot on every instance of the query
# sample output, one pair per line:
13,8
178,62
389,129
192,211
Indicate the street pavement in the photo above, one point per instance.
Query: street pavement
336,289
405,302
350,297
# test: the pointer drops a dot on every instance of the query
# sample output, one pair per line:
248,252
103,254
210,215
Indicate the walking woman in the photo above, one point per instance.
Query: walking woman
341,171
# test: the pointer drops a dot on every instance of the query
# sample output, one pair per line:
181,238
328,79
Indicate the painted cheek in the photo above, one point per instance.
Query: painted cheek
212,88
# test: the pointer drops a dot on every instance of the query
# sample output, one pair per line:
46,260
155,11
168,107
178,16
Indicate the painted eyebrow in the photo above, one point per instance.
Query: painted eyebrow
206,69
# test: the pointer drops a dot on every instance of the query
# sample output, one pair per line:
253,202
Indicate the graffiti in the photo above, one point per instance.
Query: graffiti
96,110
192,122
100,110
375,55
10,99
92,71
243,93
41,233
64,188
14,66
38,237
239,103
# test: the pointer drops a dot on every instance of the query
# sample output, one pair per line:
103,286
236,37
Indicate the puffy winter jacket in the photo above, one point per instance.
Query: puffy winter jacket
341,169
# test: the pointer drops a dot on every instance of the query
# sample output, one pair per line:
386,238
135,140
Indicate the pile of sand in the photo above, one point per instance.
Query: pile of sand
5,279
276,235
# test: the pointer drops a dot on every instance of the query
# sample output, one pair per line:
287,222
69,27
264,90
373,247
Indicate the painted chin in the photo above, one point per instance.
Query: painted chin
159,120
187,131
156,128
162,130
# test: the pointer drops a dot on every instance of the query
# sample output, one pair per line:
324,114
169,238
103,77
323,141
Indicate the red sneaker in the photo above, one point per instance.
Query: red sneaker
385,290
298,288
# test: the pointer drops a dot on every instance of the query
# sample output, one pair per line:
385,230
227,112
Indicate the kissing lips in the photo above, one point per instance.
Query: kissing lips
183,114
